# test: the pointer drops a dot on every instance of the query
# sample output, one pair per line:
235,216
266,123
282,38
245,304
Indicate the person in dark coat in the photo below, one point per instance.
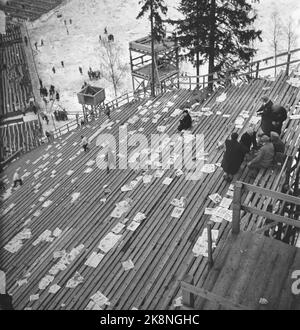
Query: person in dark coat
26,40
279,116
233,157
279,148
53,69
248,139
266,111
185,122
6,302
57,96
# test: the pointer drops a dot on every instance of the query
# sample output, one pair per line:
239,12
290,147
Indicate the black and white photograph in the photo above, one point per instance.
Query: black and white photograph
149,158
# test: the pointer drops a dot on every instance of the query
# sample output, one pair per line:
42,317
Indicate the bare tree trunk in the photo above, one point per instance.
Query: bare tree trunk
197,46
153,54
211,64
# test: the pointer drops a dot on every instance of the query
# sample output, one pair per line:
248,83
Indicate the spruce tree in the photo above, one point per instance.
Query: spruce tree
156,9
217,32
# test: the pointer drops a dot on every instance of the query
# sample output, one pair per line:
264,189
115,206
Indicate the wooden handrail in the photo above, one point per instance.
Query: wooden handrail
238,206
191,290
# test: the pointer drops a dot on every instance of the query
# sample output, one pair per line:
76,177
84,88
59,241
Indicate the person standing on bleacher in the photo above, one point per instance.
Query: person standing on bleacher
17,179
265,111
84,143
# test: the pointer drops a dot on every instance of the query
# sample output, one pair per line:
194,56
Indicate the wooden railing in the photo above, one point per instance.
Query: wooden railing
190,292
250,70
114,104
239,206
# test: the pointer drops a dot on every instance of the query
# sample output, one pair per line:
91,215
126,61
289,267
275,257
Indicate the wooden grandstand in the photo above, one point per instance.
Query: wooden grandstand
16,96
29,9
161,246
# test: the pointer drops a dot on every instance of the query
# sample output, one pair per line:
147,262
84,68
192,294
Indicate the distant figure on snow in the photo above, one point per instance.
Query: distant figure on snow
36,45
80,70
53,70
62,64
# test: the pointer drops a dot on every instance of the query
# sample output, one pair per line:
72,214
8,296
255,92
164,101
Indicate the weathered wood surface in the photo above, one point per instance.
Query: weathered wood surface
161,247
254,268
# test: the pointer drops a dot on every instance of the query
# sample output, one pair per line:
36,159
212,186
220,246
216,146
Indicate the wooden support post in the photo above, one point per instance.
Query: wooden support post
68,127
257,70
287,72
188,298
236,214
209,241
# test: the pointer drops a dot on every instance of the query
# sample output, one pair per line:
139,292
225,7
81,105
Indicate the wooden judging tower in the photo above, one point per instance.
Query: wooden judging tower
92,100
165,60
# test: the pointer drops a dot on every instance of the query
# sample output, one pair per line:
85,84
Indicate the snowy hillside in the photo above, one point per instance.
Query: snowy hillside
77,43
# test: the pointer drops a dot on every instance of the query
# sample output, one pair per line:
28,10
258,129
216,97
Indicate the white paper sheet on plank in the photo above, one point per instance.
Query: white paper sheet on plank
74,197
178,302
294,117
90,163
178,202
167,181
59,254
47,204
254,120
75,281
126,188
54,288
45,281
159,174
221,98
147,179
208,168
139,217
128,264
34,297
177,212
2,282
216,198
201,246
70,172
8,209
57,232
118,228
179,172
94,259
226,202
133,226
100,299
88,170
108,242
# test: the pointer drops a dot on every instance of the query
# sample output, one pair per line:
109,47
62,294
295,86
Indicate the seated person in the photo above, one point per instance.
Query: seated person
233,157
279,115
185,122
265,156
248,139
279,148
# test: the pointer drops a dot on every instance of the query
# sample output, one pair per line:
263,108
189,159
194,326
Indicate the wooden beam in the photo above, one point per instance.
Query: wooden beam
271,193
271,216
188,298
236,213
213,297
